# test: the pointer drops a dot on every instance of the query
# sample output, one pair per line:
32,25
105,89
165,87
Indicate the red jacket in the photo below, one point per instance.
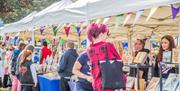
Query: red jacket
98,52
45,52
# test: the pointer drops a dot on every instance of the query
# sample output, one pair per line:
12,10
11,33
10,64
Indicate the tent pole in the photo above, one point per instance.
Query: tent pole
129,36
33,38
179,51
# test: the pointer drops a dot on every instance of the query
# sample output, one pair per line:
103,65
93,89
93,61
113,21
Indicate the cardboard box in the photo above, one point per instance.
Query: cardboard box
141,85
175,55
153,84
130,82
141,57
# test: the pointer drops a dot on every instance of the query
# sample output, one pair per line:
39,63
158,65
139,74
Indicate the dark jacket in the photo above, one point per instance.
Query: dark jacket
14,61
145,70
25,73
67,62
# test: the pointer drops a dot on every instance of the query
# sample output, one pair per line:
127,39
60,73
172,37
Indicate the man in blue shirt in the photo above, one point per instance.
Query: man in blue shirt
66,64
82,70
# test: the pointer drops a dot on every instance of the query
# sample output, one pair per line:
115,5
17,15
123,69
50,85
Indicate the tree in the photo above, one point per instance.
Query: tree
14,10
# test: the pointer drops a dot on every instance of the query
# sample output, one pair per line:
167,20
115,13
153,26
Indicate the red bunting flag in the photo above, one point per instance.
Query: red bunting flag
67,29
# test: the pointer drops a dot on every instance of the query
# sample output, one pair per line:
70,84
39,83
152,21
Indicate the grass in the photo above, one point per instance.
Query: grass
5,89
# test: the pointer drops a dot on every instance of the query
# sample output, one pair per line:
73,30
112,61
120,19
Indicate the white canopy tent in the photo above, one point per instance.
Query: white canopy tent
17,26
54,7
83,10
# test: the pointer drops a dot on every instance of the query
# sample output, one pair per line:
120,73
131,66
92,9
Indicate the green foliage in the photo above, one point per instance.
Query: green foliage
17,9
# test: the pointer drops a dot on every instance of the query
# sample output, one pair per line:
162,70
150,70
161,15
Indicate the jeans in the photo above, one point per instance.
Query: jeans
64,84
79,87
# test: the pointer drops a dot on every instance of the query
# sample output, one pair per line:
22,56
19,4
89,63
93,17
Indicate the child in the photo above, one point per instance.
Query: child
36,57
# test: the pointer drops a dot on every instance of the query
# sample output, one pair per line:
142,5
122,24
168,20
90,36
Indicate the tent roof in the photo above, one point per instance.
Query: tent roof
159,24
83,10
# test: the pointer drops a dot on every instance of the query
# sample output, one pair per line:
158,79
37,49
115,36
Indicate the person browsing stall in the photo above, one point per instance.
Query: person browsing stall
66,64
82,70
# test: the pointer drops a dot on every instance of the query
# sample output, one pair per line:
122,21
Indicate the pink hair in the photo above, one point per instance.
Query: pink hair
94,30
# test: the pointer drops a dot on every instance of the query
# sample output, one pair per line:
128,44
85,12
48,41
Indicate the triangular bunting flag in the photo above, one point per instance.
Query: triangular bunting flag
55,30
127,18
153,10
42,28
1,38
105,21
7,38
138,15
78,29
62,41
98,20
175,10
118,21
36,39
67,29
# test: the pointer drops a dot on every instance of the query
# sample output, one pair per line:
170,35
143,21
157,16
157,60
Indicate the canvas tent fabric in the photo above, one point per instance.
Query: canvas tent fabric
17,26
83,10
91,9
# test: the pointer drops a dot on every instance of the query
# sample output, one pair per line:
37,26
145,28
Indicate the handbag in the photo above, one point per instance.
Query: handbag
112,74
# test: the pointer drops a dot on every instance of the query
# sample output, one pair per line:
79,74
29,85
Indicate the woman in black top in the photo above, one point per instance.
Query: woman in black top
139,47
27,70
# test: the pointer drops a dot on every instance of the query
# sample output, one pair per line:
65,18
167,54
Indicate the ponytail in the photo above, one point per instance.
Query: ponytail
25,54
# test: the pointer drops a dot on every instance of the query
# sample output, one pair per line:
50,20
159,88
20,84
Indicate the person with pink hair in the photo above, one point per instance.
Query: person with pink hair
97,35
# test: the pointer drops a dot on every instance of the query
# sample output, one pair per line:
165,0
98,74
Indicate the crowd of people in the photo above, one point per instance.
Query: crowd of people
89,71
18,67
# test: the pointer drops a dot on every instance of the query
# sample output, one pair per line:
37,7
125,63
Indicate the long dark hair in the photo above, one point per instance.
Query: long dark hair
26,53
21,46
171,46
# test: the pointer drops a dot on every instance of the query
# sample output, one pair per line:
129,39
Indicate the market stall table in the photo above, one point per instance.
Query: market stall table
163,64
138,66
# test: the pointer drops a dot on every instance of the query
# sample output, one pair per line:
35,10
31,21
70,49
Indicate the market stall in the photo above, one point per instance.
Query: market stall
69,23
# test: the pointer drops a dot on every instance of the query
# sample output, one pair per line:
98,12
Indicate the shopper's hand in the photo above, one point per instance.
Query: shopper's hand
35,84
89,78
74,77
